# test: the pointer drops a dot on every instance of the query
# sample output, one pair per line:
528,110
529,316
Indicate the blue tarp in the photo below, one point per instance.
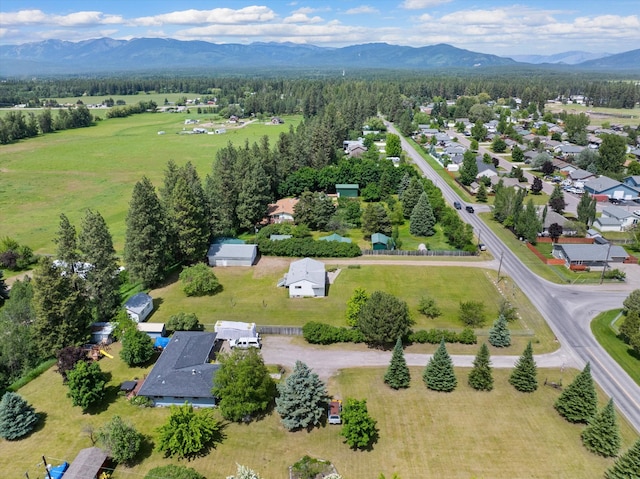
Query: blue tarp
161,342
58,471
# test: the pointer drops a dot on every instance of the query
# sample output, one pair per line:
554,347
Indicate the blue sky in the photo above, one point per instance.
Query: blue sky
490,26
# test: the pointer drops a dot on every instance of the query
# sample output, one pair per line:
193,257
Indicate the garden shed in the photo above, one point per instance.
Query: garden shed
139,307
335,237
232,254
153,330
381,241
347,190
101,333
88,464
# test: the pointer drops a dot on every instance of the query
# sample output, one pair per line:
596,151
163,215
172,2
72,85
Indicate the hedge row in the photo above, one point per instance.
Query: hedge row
308,247
321,333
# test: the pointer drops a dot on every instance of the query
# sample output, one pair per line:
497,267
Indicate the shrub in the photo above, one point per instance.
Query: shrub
184,322
434,336
199,280
308,247
321,333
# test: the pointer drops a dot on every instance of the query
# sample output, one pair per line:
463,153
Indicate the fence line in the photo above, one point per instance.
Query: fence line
283,330
397,252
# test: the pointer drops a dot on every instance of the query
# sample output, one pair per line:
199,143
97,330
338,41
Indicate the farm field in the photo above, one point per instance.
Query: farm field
251,295
599,115
97,167
421,433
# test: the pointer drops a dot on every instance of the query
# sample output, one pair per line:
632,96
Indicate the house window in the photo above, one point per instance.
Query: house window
297,287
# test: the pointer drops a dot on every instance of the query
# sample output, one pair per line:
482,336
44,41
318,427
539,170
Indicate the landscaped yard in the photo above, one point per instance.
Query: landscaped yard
622,353
422,434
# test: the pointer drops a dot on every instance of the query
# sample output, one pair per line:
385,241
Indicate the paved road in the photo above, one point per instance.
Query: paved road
567,309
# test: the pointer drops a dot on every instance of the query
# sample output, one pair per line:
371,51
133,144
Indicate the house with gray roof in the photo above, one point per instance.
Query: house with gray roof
624,217
306,278
183,372
604,185
581,175
232,254
485,169
139,307
593,256
633,181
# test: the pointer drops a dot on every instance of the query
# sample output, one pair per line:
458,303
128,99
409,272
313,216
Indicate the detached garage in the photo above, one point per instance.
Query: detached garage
232,254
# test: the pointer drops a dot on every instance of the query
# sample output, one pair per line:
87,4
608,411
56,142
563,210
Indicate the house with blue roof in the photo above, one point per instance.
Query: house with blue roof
604,185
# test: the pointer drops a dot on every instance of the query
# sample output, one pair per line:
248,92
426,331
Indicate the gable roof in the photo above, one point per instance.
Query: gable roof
379,238
282,206
580,174
236,251
138,302
335,237
616,212
306,269
592,252
553,217
183,369
87,463
632,180
602,183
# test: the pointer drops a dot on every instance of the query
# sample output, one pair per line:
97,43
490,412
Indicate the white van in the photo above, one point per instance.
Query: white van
245,343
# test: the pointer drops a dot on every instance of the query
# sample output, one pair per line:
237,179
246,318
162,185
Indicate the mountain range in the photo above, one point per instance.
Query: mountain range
106,55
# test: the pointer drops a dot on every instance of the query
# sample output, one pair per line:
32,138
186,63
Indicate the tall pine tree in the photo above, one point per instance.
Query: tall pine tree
398,375
411,195
146,246
254,196
102,279
627,466
189,222
422,220
67,244
303,398
499,335
439,375
578,402
602,435
524,376
221,191
481,376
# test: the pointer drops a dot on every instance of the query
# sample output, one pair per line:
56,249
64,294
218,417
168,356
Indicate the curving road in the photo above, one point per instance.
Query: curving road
567,309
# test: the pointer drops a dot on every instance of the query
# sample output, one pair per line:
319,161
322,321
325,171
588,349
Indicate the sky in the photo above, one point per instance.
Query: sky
499,27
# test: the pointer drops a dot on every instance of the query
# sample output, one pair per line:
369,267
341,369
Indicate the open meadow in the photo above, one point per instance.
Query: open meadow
97,167
599,115
250,294
422,434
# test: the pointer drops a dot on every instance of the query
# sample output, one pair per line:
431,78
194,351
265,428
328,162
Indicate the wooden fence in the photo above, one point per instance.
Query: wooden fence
399,252
283,330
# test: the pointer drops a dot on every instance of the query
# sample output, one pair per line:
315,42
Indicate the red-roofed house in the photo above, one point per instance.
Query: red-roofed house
282,210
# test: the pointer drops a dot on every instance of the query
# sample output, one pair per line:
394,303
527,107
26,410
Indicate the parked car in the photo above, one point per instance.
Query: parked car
335,408
636,212
482,247
245,343
614,201
469,209
457,205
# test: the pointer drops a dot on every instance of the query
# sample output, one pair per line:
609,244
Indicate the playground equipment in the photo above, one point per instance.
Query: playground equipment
104,353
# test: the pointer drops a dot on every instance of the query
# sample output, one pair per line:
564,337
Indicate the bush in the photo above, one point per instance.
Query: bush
199,280
321,333
184,322
307,247
434,336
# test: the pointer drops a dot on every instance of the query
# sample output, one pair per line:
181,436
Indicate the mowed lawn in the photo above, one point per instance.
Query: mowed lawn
422,434
97,167
250,294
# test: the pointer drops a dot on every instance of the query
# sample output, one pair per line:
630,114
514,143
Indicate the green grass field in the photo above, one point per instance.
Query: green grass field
617,349
251,295
97,167
422,434
599,115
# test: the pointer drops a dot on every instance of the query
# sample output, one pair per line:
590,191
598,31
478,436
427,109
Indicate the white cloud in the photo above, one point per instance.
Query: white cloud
302,18
421,4
77,19
224,16
361,9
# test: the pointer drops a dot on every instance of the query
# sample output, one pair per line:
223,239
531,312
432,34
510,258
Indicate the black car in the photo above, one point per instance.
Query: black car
469,209
457,205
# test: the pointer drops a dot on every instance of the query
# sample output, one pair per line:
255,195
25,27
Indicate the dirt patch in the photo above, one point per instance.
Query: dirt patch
267,265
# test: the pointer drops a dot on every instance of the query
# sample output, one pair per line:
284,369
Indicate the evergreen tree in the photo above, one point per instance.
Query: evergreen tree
482,196
578,402
469,169
411,196
586,208
556,200
254,197
422,220
102,279
398,375
67,244
481,377
404,184
499,335
375,219
602,435
146,247
303,398
86,384
524,376
355,304
62,318
189,222
17,417
221,191
438,375
627,466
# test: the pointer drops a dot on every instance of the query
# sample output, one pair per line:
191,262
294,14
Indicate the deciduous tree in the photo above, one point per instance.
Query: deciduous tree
398,375
199,280
429,307
393,146
632,302
586,208
303,398
536,186
578,402
481,376
383,319
524,376
439,375
243,385
358,427
67,358
120,439
86,384
556,200
612,153
355,304
472,313
602,435
188,433
469,169
137,347
17,417
184,322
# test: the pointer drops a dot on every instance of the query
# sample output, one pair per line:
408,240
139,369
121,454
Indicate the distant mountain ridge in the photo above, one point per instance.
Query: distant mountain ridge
106,55
566,58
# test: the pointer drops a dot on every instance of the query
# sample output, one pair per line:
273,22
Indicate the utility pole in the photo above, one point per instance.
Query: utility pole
606,263
500,265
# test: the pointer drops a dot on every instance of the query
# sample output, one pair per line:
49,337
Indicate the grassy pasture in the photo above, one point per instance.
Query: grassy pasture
500,434
599,115
252,295
97,167
622,353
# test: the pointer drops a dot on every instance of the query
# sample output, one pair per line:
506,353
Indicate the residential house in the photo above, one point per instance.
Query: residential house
88,464
276,120
508,182
604,185
606,223
356,150
551,218
306,278
593,256
347,190
485,169
581,175
232,254
183,372
381,241
282,211
626,218
139,307
633,181
566,150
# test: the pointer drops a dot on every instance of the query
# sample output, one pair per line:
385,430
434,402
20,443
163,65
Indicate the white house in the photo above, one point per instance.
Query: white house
139,306
624,217
306,278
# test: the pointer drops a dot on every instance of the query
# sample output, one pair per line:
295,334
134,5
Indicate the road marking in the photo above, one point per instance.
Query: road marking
613,378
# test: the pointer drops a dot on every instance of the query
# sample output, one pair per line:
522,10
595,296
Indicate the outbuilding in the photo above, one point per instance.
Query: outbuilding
139,307
380,241
347,190
232,254
153,330
226,330
88,464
